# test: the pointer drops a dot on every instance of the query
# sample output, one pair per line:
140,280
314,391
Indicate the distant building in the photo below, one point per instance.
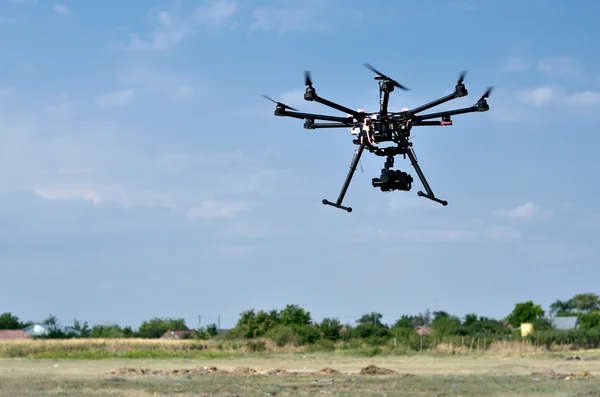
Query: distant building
45,329
423,330
184,334
565,323
6,334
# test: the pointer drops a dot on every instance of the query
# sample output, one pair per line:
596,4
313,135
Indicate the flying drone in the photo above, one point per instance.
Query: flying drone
371,129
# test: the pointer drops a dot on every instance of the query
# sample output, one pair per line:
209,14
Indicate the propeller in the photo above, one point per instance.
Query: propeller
461,78
283,105
307,80
487,93
382,76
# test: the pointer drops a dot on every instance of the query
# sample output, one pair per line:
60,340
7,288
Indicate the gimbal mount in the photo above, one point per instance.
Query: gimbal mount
372,129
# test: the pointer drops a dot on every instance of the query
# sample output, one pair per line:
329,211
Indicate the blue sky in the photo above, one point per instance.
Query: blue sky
142,174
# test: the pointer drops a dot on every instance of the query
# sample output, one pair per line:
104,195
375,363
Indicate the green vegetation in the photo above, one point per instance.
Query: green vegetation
292,329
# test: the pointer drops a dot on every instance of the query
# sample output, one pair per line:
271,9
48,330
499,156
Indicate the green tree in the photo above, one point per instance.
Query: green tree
83,329
585,303
156,327
51,320
470,319
106,331
8,321
440,314
405,322
252,324
561,308
331,329
589,320
294,315
445,324
212,330
525,312
373,319
128,332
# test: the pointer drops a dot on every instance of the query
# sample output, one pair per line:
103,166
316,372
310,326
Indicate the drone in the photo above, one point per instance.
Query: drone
372,129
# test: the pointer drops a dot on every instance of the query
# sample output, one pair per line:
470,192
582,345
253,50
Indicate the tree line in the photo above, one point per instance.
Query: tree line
294,325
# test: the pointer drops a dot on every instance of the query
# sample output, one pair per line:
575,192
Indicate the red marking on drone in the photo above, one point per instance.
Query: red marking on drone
445,122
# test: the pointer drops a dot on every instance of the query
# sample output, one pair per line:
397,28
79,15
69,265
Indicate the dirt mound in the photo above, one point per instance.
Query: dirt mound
145,371
243,371
374,370
555,375
329,371
274,371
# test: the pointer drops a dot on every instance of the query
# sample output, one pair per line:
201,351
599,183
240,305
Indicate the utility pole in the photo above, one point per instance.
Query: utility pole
199,321
219,323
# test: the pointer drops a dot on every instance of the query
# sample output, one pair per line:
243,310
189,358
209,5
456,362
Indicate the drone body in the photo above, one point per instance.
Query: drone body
372,129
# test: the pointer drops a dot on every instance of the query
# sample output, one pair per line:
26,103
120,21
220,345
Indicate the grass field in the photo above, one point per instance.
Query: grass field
307,374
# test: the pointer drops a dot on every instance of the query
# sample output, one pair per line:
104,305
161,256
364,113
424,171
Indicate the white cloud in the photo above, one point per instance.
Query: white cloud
404,202
60,9
6,92
254,230
284,20
218,13
516,64
59,109
183,93
502,233
170,84
172,30
538,96
115,99
527,211
214,209
560,67
437,236
68,194
584,99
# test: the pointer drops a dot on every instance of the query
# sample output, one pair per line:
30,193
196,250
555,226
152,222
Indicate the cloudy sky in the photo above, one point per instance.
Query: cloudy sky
142,174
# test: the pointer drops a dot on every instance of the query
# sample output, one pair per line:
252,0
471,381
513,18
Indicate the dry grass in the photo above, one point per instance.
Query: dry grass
156,348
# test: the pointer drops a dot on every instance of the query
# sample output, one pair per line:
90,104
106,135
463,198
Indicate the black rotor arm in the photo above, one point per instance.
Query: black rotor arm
459,91
312,116
311,95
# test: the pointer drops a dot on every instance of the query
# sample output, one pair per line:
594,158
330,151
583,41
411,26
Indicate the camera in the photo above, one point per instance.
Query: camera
393,180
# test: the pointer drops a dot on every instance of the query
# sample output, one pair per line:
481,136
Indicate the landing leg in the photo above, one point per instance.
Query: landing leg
417,168
338,203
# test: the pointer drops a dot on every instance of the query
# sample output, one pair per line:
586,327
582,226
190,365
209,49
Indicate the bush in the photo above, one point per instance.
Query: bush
258,346
283,335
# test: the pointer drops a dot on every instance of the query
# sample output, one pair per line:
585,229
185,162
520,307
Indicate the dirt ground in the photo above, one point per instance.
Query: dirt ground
304,375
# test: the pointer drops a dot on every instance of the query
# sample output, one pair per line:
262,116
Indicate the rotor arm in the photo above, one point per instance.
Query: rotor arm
435,103
323,101
449,113
312,116
480,106
459,91
436,123
311,95
309,124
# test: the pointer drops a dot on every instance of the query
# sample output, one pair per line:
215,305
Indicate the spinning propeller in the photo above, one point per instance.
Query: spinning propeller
381,76
283,105
487,93
307,80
